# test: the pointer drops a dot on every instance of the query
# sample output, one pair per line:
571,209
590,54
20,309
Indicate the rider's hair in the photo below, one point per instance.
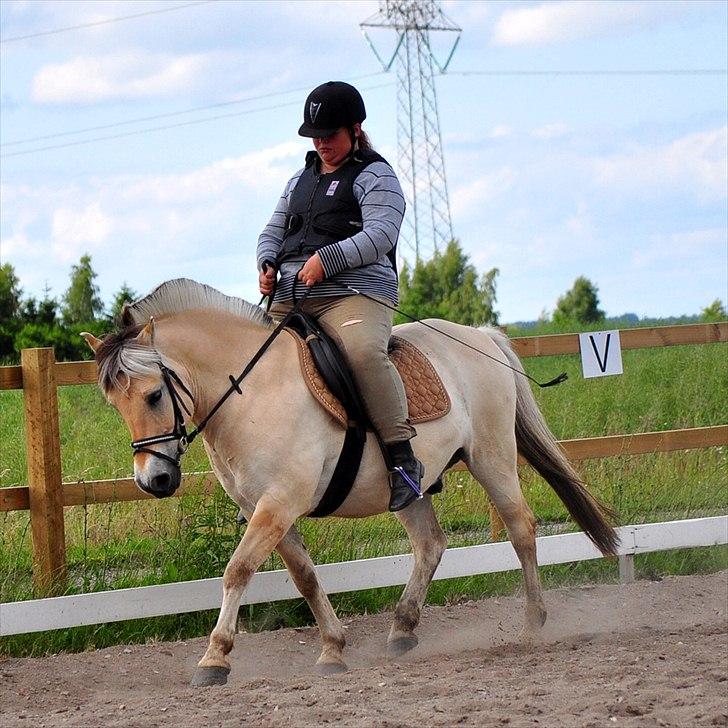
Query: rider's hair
365,143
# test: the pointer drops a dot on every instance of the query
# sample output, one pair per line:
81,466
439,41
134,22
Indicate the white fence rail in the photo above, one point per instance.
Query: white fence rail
191,596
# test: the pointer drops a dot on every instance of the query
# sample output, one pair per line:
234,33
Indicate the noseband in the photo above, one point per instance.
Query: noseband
179,431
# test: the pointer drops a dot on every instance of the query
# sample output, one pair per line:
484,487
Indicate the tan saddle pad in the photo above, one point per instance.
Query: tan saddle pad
427,398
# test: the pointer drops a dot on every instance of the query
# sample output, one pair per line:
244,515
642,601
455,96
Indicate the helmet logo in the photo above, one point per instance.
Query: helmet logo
313,111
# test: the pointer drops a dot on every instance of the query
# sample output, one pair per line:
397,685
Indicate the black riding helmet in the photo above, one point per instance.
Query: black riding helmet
330,106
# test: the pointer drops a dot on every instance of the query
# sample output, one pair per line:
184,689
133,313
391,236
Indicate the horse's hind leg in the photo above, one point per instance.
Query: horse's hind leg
428,544
295,555
496,471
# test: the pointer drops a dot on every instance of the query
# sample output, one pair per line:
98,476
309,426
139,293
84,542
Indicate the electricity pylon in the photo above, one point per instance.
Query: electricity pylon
428,225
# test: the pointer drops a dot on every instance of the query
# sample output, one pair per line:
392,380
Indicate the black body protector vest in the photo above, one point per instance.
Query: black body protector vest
323,209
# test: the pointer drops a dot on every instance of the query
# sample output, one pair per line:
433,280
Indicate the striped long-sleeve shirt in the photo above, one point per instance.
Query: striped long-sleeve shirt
359,261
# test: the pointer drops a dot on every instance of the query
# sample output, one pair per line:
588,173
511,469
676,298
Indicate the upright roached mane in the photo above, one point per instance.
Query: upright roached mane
120,358
183,294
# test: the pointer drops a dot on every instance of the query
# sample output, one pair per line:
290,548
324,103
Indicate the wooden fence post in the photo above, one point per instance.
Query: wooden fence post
626,569
43,447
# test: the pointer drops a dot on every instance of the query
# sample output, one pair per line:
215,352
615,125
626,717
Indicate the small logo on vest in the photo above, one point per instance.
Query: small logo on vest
313,110
332,188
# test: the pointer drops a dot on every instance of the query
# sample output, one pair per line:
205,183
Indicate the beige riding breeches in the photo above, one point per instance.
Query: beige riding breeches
362,327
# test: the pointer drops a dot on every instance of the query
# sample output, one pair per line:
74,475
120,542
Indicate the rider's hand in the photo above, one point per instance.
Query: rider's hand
267,280
313,271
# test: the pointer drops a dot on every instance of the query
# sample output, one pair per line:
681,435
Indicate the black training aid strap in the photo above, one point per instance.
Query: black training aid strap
335,372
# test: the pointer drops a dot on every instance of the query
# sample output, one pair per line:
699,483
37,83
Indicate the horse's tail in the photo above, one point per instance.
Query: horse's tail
538,446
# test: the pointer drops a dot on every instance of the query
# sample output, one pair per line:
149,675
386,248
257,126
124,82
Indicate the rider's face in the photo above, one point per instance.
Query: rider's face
334,148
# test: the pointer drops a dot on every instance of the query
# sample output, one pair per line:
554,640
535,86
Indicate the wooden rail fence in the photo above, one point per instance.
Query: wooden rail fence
45,495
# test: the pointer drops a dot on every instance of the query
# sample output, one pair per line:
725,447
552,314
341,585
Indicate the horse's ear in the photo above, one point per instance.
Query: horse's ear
91,340
147,333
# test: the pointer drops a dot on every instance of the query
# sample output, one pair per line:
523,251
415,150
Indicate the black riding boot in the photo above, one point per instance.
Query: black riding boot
405,475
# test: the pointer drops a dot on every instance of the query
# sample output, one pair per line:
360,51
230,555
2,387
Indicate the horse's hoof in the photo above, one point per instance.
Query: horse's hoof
401,645
206,676
331,668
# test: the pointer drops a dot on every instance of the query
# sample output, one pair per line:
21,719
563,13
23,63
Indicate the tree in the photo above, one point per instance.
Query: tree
714,312
447,286
580,304
40,312
10,293
9,310
122,296
81,302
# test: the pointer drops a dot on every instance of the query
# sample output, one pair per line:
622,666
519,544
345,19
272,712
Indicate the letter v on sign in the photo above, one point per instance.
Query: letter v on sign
601,354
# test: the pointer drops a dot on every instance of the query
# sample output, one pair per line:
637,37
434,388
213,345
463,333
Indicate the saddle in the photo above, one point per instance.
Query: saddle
427,398
329,379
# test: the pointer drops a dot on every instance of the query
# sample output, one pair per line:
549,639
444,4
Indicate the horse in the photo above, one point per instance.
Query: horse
274,448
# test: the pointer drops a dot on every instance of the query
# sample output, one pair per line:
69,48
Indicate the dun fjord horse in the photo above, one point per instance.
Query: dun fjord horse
274,448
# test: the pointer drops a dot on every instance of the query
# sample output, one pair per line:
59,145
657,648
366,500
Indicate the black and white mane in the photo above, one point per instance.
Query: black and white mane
120,358
184,294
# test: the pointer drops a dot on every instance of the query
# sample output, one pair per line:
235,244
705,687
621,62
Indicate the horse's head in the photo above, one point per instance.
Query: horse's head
142,385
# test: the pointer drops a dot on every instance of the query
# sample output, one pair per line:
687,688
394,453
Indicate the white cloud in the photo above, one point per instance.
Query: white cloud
75,231
480,191
551,131
580,226
574,19
683,248
15,244
331,13
172,224
693,165
90,79
499,132
467,12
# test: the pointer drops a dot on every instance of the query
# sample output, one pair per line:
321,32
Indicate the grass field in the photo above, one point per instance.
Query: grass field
147,542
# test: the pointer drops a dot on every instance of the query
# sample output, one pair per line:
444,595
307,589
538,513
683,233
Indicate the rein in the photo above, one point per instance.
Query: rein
556,380
179,431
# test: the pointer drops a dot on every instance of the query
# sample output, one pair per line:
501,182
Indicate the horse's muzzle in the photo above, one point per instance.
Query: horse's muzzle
163,484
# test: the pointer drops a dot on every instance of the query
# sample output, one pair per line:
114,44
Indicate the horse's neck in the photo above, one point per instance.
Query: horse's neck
210,346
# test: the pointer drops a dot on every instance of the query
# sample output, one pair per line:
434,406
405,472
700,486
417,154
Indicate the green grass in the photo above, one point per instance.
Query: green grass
146,542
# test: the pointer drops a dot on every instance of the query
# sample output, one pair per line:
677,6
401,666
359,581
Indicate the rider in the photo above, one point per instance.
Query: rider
336,224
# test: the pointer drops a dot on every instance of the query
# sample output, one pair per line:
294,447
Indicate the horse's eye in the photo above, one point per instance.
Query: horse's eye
154,397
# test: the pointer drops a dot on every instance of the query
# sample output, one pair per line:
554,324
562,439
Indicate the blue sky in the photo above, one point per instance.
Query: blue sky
622,178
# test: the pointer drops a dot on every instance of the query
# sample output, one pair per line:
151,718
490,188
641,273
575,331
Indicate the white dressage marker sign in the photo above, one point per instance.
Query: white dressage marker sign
601,354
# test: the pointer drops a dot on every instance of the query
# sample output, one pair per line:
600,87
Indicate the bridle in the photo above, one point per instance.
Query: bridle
179,431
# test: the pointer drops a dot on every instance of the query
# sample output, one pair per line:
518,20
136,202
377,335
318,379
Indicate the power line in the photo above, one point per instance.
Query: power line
172,113
565,72
167,126
136,120
623,72
105,22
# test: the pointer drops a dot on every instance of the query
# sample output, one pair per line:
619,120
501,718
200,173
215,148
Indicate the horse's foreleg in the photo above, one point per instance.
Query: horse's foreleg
428,544
295,555
269,523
